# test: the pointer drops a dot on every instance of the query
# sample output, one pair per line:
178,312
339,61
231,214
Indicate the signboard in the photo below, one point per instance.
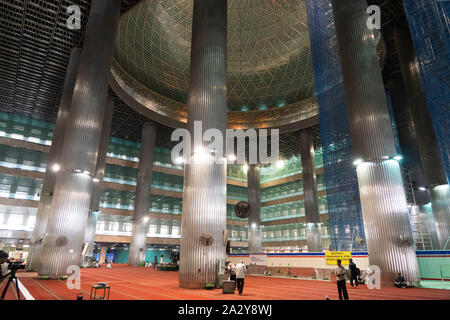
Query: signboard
259,259
331,257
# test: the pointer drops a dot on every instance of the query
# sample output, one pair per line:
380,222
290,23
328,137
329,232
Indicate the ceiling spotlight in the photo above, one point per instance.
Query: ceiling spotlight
398,157
357,162
232,158
422,188
56,167
96,180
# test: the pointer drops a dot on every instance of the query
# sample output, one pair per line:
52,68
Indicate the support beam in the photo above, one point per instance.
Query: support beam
204,198
73,187
254,200
138,245
97,190
383,201
54,158
426,135
312,215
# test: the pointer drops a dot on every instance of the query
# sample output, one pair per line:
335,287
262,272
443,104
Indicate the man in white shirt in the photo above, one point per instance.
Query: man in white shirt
241,269
340,280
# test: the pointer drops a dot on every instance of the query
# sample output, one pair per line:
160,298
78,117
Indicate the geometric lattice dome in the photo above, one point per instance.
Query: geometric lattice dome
269,55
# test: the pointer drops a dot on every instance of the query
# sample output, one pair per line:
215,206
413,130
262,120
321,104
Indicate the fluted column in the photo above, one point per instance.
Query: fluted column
73,187
138,244
426,137
411,156
97,190
53,161
383,201
312,215
254,200
204,197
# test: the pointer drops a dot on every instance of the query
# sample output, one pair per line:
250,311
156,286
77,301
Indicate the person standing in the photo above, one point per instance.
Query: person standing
340,280
156,263
353,272
241,269
4,272
232,273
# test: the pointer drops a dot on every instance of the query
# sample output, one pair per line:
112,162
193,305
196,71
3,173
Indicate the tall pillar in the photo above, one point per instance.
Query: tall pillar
138,244
54,158
73,187
383,200
312,215
204,197
426,137
411,156
97,190
254,200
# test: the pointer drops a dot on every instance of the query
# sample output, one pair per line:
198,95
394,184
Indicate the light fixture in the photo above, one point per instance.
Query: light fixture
232,158
56,167
422,188
145,219
245,168
280,164
357,162
96,180
179,160
398,157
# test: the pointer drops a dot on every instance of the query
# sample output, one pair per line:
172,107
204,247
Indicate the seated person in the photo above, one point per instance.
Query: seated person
399,281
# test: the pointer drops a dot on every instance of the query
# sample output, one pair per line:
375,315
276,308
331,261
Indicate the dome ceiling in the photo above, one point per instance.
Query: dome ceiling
269,56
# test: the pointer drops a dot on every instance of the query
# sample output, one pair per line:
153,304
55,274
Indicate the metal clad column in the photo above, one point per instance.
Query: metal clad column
411,156
383,200
254,200
97,190
312,215
142,200
71,199
426,136
204,197
54,157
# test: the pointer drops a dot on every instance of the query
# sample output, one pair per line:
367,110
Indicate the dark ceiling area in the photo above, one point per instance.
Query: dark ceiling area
35,46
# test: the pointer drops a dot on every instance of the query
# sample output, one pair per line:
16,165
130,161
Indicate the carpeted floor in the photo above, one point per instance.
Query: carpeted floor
133,283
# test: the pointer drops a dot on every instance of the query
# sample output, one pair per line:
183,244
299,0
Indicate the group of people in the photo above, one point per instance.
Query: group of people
236,273
355,276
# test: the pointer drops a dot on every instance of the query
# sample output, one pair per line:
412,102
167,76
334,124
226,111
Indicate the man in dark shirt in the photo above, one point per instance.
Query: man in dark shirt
353,272
399,281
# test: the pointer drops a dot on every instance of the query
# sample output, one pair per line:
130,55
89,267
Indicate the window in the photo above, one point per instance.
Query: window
100,226
165,230
153,229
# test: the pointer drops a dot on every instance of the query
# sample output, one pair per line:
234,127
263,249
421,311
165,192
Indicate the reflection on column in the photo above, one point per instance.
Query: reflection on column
313,227
204,197
73,187
383,200
426,137
53,162
254,200
97,190
142,199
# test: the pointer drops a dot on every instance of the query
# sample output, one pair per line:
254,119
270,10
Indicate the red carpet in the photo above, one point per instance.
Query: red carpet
133,283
